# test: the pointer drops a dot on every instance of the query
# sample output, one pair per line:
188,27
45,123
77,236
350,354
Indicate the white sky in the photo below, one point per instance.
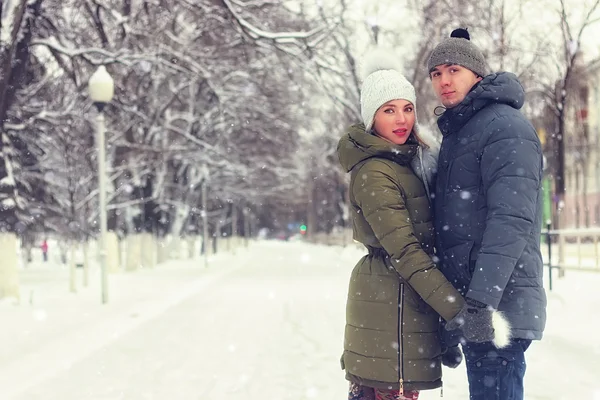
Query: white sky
538,16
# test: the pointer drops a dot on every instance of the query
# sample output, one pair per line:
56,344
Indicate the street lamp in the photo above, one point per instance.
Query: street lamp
374,25
101,89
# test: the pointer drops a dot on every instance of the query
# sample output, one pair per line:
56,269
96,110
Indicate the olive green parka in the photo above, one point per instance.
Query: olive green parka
396,292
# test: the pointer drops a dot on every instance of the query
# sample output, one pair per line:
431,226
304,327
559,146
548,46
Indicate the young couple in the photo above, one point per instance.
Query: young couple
452,231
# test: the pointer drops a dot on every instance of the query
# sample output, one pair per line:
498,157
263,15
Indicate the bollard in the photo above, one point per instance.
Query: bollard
148,250
134,252
579,257
72,267
86,263
113,261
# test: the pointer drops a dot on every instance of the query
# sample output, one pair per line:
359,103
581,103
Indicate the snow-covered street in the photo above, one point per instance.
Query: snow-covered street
266,322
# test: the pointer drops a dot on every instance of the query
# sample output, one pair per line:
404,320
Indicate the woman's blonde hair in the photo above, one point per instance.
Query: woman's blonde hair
419,140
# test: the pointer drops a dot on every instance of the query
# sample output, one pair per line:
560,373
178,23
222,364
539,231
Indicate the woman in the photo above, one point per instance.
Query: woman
392,346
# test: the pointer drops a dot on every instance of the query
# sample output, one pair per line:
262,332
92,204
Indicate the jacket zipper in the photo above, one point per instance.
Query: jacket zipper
400,349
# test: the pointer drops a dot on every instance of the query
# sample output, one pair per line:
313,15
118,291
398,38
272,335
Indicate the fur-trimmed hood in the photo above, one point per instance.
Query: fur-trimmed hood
357,145
426,162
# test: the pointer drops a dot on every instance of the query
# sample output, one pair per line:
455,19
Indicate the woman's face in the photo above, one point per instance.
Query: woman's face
394,121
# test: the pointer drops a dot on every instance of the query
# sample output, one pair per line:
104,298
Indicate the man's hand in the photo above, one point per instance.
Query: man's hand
452,357
475,321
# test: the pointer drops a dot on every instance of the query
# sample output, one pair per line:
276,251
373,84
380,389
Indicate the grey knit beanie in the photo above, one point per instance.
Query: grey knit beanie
382,82
458,49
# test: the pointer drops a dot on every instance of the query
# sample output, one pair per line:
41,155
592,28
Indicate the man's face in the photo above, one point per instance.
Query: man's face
452,83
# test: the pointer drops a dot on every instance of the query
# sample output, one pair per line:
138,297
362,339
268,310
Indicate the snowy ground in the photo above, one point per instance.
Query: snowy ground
264,323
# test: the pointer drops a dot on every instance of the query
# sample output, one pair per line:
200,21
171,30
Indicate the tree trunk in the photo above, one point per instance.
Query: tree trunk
233,240
205,239
246,227
72,267
86,263
559,179
234,220
17,25
163,248
8,52
9,272
311,212
597,216
253,228
191,246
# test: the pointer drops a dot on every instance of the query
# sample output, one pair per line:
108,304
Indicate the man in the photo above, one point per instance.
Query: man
488,211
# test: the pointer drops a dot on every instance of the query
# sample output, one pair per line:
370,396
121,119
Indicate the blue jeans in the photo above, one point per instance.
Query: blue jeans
496,374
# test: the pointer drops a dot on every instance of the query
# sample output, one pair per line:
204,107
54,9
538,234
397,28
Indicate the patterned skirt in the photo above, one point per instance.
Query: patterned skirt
358,392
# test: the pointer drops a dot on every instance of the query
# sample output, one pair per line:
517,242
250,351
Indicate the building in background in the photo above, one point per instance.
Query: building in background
582,150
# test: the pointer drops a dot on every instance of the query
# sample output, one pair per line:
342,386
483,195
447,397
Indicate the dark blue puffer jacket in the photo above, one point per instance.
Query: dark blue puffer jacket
488,203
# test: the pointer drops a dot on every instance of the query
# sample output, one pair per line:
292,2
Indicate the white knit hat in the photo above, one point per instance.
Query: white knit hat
382,82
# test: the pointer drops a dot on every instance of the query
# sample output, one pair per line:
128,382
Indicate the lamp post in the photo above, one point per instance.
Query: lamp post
374,25
101,89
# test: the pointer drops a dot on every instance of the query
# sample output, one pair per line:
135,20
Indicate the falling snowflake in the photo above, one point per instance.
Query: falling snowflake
40,315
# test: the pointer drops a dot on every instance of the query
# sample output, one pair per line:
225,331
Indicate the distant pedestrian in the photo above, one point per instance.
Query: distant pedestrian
45,250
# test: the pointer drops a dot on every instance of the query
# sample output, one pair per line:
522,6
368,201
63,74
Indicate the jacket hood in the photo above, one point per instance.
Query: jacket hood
357,146
425,164
497,88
